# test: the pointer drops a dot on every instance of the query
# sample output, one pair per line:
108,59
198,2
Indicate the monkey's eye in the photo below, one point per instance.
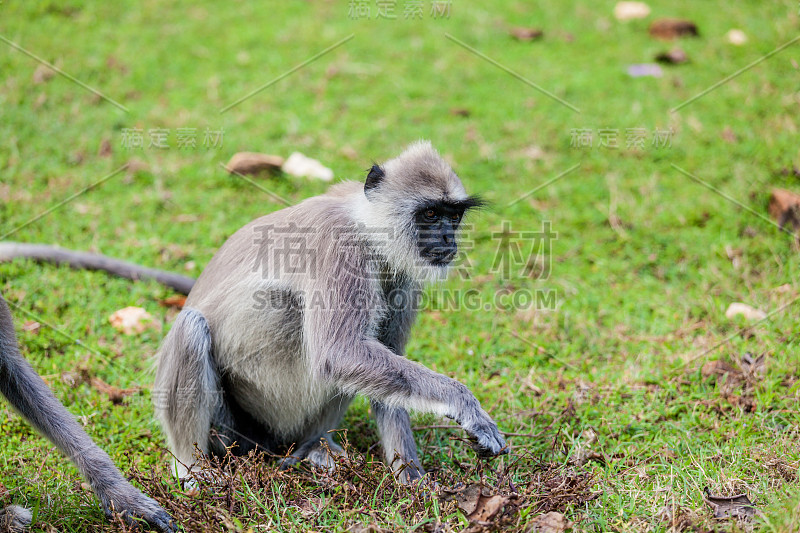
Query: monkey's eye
455,217
430,214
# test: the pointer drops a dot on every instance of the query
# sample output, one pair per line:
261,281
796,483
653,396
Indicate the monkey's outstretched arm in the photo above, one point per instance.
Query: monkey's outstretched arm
340,322
345,354
369,368
29,394
90,261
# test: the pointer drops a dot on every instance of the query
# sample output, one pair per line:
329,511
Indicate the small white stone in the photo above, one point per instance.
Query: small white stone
736,37
299,165
748,312
631,10
131,320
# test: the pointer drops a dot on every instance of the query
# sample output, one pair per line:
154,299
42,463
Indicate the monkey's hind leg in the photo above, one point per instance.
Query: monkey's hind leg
187,390
323,452
399,447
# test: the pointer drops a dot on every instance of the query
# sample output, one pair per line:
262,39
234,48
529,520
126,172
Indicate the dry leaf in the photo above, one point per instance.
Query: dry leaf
784,207
253,163
310,507
460,111
669,29
534,152
177,301
718,368
466,497
738,507
136,165
551,522
73,379
114,63
488,508
115,394
676,56
584,454
631,10
40,101
477,502
42,74
526,34
105,148
783,289
736,383
728,135
31,326
753,366
734,255
132,320
349,152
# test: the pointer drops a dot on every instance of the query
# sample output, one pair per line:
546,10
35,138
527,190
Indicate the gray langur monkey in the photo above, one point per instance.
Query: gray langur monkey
306,307
31,397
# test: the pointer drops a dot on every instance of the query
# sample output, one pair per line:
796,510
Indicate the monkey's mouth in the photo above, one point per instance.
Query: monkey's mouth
440,258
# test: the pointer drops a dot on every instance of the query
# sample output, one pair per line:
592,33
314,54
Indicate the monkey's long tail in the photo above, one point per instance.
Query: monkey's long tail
14,519
90,261
27,393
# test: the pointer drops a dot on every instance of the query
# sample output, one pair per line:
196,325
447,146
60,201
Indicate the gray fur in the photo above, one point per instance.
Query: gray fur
284,375
29,395
14,519
90,261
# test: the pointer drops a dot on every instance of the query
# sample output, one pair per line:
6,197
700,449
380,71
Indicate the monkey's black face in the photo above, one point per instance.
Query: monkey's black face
436,231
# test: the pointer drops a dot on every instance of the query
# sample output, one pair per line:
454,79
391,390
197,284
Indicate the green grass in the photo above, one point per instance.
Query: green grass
641,266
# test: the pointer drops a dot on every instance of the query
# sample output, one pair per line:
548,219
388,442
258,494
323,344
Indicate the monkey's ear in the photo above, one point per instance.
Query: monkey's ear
374,178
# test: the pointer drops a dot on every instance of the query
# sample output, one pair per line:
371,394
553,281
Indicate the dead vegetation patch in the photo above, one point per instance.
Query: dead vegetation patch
362,495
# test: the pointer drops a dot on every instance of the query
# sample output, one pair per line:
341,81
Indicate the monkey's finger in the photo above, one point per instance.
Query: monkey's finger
489,443
157,520
162,522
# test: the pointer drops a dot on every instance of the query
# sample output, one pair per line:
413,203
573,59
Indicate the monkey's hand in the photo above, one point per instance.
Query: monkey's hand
480,427
487,439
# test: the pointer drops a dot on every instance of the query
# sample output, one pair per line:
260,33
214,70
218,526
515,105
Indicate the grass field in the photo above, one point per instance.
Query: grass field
624,388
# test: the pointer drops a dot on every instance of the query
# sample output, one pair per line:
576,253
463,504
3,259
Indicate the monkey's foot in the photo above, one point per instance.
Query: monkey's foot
323,455
408,473
194,477
14,519
136,508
